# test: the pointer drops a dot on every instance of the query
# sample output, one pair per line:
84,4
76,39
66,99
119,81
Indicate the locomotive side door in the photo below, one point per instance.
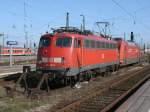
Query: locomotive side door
78,45
125,54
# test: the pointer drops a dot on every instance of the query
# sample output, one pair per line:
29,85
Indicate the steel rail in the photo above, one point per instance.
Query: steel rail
78,103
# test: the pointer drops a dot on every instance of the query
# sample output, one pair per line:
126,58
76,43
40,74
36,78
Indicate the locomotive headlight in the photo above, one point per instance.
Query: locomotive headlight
44,60
59,60
39,62
53,60
62,60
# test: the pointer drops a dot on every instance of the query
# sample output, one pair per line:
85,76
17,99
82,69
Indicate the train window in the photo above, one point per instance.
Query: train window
110,45
44,42
77,43
107,45
64,42
67,42
102,45
113,46
116,46
92,44
59,42
87,43
97,44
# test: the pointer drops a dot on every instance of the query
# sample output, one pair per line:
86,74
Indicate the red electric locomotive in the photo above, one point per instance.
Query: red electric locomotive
68,53
129,52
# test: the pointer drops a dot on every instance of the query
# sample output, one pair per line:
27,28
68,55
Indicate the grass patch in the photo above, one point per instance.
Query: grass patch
18,105
2,92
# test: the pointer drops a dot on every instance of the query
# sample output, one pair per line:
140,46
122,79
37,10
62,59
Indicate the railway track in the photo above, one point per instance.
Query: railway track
109,98
100,83
9,81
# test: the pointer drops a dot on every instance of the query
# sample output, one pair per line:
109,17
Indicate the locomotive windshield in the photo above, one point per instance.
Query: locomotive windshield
44,42
64,42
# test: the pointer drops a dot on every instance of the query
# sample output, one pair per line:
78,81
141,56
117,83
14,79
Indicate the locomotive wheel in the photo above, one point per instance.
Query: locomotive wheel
87,76
116,67
107,72
63,81
74,80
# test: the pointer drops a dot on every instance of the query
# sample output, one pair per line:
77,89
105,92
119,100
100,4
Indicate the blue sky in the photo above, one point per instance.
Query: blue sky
127,16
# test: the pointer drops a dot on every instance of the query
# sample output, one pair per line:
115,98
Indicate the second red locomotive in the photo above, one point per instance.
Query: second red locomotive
129,52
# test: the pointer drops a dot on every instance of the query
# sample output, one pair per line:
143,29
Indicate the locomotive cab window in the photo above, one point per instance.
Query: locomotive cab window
64,42
44,42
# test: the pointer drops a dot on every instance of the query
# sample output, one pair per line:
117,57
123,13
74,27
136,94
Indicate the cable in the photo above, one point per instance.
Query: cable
145,26
122,8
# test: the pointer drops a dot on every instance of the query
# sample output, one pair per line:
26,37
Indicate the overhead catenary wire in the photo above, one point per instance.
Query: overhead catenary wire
115,2
131,15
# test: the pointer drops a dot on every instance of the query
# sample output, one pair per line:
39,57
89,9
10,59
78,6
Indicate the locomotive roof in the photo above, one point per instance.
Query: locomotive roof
128,42
78,33
132,43
89,36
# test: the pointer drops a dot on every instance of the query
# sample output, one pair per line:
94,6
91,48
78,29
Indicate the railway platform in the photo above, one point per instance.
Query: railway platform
7,70
139,101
